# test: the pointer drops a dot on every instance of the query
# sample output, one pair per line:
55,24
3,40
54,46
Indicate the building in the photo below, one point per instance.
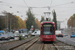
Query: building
58,24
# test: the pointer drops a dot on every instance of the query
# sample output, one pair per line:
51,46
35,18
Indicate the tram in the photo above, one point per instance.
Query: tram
47,31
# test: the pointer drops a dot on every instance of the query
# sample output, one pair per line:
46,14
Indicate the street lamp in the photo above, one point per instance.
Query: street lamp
72,23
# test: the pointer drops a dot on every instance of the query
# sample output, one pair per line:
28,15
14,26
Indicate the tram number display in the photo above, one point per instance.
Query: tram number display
47,25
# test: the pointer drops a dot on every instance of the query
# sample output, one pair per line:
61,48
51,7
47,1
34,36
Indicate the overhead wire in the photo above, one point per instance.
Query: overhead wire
25,3
8,4
62,4
12,4
50,4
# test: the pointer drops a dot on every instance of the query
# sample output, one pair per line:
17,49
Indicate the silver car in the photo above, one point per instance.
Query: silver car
11,35
3,36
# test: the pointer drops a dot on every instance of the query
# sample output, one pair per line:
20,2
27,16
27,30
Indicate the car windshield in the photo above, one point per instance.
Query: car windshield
16,33
10,34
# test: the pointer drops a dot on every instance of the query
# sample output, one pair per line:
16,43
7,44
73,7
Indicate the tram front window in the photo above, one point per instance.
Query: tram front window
47,30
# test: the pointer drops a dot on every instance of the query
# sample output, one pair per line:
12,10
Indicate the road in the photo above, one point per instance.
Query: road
66,39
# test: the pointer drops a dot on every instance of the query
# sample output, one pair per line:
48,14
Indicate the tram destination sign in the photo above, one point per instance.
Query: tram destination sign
47,25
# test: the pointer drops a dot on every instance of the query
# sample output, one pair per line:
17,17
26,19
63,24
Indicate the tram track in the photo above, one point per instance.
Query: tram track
50,46
36,44
21,46
31,44
56,47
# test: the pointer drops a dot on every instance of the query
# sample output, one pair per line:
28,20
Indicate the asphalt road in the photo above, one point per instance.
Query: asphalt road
66,39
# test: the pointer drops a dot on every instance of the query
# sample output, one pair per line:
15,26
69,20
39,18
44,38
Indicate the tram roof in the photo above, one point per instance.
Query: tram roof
47,22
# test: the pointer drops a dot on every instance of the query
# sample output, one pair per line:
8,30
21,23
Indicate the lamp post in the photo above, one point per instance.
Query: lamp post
10,20
7,22
72,23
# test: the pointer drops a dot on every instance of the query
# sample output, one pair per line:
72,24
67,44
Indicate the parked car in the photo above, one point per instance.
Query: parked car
35,33
16,34
24,34
72,35
58,33
65,34
3,36
11,35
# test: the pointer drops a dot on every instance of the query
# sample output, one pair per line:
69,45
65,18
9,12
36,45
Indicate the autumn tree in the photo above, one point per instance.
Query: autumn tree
37,22
71,21
14,22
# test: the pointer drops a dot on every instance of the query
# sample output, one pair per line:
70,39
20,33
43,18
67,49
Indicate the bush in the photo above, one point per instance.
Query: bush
21,38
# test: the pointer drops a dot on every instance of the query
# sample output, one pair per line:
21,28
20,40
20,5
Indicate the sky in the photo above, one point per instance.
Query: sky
63,8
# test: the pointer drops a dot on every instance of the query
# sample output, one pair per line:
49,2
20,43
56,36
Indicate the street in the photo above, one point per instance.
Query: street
67,39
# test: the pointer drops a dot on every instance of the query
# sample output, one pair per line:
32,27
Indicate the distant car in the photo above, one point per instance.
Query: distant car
29,32
65,34
35,33
72,35
16,34
58,33
24,34
11,35
3,36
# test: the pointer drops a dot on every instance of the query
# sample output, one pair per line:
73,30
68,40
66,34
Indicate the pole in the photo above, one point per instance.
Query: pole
10,24
7,22
72,24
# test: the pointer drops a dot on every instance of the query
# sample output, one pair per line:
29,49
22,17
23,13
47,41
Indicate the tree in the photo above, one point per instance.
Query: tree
54,18
14,22
37,22
71,21
30,20
42,18
2,22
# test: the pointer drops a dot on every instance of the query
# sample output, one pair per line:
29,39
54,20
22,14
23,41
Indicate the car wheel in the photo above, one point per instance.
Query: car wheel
1,39
8,39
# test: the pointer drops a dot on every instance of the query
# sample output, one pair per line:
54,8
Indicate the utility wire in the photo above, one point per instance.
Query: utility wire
25,3
50,5
11,4
8,4
63,4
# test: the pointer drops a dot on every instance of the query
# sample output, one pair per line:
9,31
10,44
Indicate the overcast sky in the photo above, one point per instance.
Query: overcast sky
64,8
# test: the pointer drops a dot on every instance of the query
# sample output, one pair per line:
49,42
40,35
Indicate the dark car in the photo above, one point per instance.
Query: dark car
60,35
